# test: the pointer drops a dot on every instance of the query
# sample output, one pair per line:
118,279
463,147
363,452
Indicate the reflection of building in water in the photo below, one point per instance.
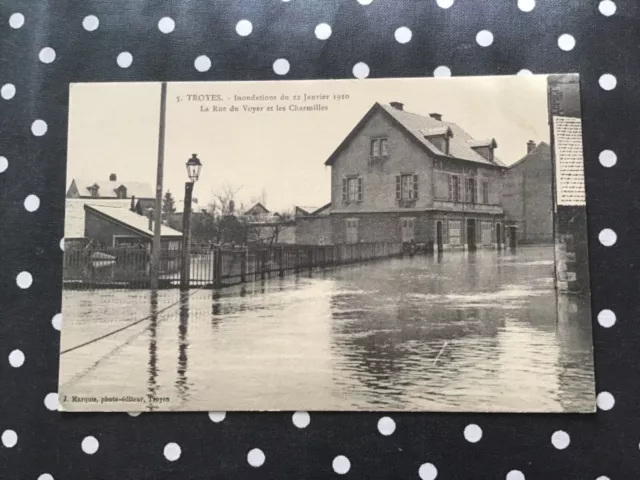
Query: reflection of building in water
576,350
153,351
406,346
182,384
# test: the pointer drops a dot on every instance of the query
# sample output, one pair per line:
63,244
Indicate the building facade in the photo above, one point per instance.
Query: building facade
570,226
403,177
527,195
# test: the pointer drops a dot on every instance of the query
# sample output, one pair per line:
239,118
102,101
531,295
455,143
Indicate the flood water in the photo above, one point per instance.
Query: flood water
482,331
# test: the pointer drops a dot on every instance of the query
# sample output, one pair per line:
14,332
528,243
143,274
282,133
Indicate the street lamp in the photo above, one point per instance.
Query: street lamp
193,168
193,172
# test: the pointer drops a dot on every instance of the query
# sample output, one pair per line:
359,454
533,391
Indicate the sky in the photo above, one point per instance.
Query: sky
277,155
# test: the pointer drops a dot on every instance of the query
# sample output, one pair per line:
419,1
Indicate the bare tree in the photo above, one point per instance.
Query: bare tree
267,230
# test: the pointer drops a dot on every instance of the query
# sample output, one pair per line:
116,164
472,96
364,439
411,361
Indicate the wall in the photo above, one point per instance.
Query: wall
386,227
313,230
379,180
445,168
528,196
572,251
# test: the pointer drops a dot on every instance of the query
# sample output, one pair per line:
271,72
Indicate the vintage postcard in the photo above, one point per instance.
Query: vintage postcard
384,244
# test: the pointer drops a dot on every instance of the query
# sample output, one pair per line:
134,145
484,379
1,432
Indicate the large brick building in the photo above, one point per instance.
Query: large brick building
401,176
527,195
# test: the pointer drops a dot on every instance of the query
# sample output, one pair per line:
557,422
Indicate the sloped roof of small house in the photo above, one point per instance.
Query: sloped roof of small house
107,188
542,146
569,160
416,124
257,209
74,213
130,220
324,210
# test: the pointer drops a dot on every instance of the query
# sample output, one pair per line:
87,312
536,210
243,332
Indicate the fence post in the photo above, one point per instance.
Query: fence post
243,265
262,264
217,267
281,262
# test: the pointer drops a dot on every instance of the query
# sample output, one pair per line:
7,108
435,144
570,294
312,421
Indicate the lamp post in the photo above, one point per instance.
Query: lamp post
193,171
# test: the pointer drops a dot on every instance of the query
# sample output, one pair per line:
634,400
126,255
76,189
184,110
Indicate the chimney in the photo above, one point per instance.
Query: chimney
150,215
436,116
530,146
133,203
112,177
397,105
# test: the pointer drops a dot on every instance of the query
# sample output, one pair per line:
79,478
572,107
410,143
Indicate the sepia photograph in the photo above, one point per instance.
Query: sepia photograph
409,244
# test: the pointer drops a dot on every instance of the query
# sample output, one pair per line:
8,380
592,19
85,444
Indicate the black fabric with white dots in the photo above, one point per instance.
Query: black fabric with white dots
46,44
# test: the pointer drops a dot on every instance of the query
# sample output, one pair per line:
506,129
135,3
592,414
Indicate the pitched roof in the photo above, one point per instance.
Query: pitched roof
131,220
257,209
569,160
435,131
74,213
107,188
417,125
540,147
324,210
487,142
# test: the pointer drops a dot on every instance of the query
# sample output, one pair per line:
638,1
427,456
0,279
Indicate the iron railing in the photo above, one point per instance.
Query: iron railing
210,265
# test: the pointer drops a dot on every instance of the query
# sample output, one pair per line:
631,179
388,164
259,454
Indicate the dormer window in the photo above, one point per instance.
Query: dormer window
93,190
379,147
121,191
484,148
440,138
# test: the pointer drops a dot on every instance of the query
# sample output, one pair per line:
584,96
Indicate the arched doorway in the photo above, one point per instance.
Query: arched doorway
499,235
439,240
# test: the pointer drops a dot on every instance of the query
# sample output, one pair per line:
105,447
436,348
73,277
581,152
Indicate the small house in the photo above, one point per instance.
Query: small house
117,226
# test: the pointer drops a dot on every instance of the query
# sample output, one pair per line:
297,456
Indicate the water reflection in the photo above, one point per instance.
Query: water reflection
153,351
456,331
182,385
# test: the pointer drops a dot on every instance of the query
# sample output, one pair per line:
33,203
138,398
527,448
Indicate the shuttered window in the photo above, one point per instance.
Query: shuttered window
454,188
485,191
352,189
379,147
407,187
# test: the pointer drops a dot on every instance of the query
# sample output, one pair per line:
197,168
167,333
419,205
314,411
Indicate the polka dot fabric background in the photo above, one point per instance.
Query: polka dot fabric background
46,44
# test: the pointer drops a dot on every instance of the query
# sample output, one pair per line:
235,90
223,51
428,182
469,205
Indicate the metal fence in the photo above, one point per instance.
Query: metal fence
210,265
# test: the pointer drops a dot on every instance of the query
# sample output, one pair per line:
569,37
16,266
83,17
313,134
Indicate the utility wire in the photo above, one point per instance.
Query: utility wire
126,326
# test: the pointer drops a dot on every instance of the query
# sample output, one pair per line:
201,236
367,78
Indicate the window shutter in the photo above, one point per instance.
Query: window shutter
359,189
375,148
344,190
415,187
398,188
450,197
